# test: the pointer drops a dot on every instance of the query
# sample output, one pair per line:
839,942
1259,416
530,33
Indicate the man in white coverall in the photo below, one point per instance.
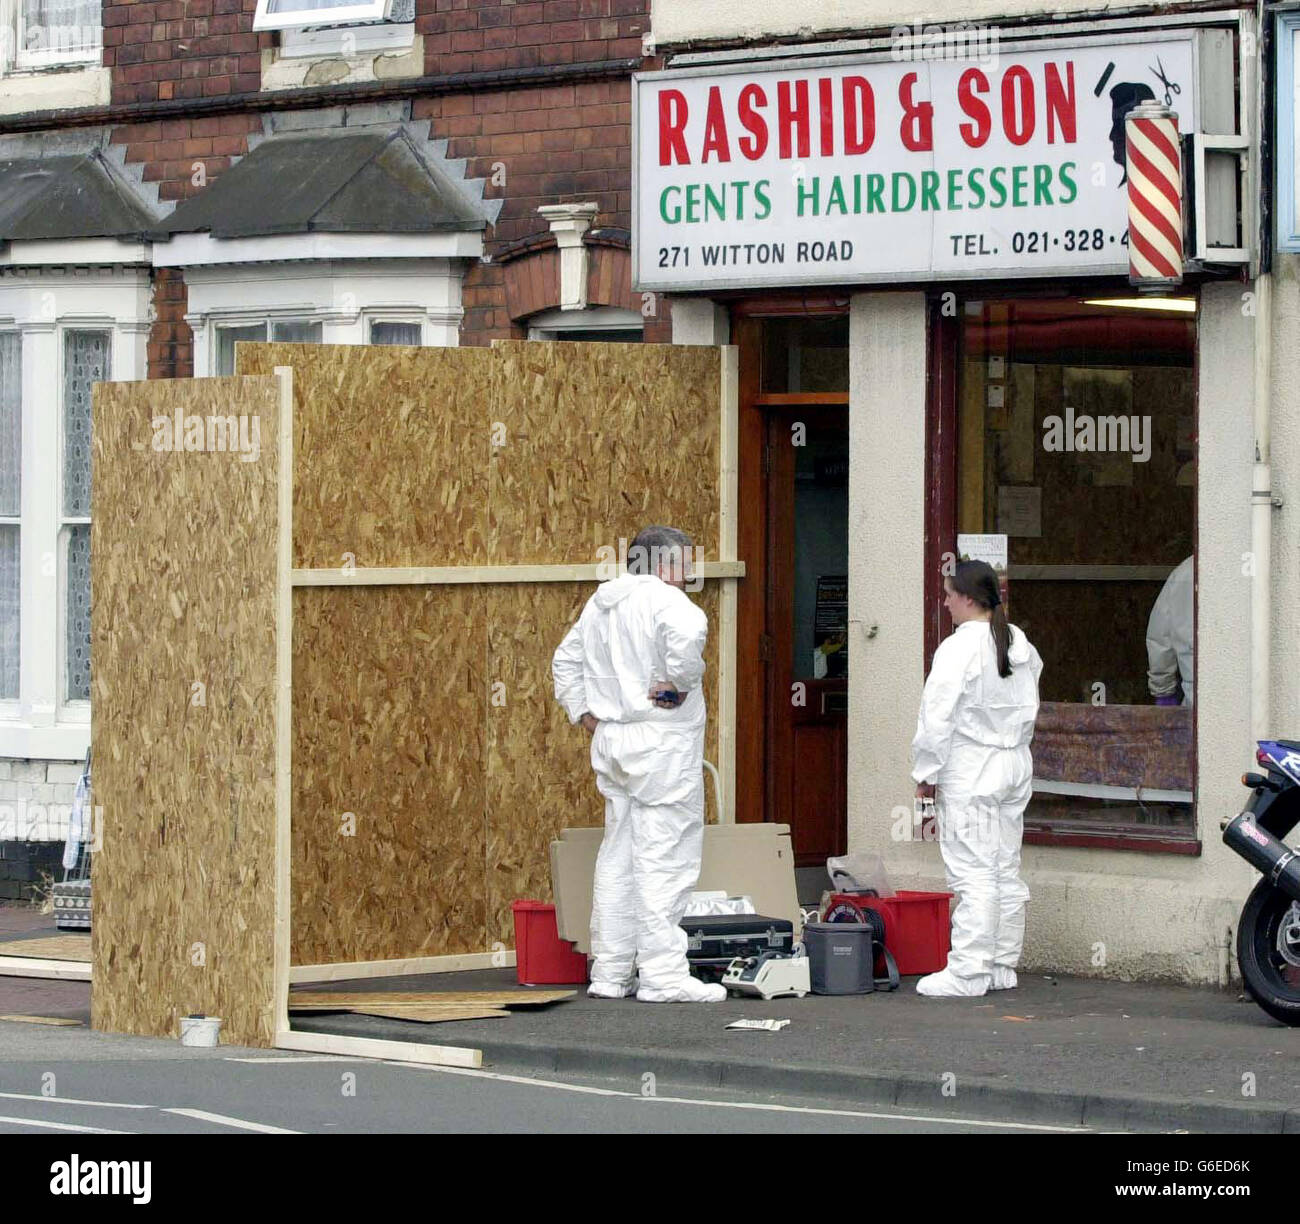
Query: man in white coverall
972,745
631,672
1169,639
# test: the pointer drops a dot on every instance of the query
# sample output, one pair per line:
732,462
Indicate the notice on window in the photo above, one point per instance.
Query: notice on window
1020,510
831,627
991,548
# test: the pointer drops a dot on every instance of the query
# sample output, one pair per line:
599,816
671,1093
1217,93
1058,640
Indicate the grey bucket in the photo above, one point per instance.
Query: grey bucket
840,957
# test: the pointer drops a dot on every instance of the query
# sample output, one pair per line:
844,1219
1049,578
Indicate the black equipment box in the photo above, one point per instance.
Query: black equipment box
715,940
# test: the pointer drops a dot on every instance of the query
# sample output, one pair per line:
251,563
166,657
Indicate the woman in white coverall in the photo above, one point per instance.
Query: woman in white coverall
631,671
972,743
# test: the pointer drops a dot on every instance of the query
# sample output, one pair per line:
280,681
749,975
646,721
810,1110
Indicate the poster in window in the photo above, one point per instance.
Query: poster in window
831,628
991,548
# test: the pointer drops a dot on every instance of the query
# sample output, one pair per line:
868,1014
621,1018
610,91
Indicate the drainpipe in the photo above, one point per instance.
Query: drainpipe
1261,516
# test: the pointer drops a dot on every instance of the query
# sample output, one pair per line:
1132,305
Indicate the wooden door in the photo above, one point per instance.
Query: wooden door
805,642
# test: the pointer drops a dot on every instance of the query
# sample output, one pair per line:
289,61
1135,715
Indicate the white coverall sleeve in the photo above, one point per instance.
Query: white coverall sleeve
569,675
682,630
1162,657
938,715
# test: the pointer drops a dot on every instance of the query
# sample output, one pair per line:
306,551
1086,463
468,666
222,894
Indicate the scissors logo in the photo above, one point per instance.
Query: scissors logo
1170,87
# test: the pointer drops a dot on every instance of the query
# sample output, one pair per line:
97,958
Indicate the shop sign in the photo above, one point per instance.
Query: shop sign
896,169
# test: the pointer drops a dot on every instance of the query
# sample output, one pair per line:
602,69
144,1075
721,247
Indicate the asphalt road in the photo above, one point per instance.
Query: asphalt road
74,1081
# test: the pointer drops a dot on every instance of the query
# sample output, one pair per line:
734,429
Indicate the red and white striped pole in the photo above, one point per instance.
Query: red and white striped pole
1155,197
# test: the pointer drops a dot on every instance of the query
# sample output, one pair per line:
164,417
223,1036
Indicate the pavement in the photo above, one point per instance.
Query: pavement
1059,1051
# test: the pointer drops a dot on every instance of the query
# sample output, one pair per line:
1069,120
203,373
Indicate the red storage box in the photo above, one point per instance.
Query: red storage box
542,958
918,929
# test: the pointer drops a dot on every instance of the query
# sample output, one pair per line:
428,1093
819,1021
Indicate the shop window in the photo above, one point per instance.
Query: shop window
1076,442
805,354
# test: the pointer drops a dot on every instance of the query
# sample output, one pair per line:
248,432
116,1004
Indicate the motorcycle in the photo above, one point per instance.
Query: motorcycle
1268,932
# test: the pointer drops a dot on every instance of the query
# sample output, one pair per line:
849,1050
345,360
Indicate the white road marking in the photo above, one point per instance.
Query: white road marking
239,1123
63,1126
49,1100
751,1105
298,1058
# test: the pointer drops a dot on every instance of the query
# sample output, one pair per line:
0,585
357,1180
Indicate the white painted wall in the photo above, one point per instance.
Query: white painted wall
680,21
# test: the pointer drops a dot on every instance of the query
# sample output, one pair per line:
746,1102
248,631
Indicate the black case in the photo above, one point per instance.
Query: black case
713,942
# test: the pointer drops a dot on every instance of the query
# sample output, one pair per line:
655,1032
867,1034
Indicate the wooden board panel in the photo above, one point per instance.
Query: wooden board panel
325,1000
601,440
183,556
74,947
390,707
539,776
391,451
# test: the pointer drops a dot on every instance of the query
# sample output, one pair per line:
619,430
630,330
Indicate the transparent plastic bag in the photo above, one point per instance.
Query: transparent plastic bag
861,872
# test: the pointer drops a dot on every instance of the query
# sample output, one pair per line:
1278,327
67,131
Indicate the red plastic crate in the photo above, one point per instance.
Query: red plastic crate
542,958
918,930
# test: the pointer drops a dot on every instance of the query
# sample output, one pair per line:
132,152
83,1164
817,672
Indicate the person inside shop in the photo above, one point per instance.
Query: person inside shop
1169,639
971,756
631,672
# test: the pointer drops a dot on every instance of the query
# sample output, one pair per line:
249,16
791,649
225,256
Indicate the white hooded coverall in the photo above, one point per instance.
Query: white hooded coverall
1169,636
638,632
972,741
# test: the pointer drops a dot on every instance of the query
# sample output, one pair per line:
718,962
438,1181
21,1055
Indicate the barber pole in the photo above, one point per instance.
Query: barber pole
1155,197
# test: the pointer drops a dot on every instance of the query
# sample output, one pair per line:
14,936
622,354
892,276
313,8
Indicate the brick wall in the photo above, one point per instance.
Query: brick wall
26,868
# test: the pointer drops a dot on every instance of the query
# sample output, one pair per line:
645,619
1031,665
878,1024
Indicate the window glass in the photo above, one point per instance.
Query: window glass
77,615
296,331
805,354
1076,441
85,362
383,331
11,387
228,337
60,29
11,422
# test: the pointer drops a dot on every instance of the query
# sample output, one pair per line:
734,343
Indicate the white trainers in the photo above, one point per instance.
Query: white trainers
611,990
1003,978
944,985
689,990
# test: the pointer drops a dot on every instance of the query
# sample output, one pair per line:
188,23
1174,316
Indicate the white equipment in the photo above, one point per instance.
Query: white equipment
769,975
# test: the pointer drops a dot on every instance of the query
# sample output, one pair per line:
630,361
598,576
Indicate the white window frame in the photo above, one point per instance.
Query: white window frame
371,317
345,14
13,26
42,724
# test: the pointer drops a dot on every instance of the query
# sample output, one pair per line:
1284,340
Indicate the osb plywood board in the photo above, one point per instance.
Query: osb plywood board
391,452
599,440
53,947
183,555
390,707
539,776
325,1000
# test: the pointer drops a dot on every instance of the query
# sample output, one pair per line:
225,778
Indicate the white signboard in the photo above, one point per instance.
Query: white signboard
893,169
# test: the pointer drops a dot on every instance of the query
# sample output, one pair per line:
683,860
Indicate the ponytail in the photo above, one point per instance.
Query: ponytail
978,580
1001,639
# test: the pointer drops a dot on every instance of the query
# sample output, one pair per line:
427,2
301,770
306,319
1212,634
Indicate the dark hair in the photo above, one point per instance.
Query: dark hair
978,580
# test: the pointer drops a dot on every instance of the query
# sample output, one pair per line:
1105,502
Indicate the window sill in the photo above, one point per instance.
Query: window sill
57,87
346,40
65,741
1101,838
326,64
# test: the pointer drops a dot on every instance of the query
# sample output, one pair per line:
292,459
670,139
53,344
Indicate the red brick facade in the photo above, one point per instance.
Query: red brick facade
565,139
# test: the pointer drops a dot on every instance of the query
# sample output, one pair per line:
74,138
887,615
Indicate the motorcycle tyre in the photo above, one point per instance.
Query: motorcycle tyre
1257,978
